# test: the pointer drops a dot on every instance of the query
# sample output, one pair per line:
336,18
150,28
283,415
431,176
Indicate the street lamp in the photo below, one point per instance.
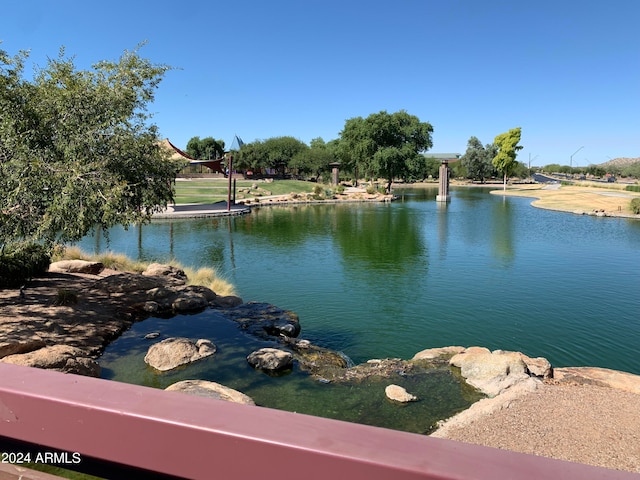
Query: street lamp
571,158
530,162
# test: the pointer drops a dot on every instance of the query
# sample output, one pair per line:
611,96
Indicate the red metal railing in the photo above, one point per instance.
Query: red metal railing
115,427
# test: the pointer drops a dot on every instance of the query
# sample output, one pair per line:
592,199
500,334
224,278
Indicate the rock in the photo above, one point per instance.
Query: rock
17,345
432,353
264,320
162,270
206,292
605,377
203,388
319,361
189,302
399,394
173,352
151,307
127,283
538,367
160,293
228,301
270,359
490,372
62,358
76,266
152,335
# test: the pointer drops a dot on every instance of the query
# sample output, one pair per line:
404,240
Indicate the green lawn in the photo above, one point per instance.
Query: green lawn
204,190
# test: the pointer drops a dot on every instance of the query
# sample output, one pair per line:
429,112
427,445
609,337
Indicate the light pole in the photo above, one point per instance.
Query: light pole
571,158
530,163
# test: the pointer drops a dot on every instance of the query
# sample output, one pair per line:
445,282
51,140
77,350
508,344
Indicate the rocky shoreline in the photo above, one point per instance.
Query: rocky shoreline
65,320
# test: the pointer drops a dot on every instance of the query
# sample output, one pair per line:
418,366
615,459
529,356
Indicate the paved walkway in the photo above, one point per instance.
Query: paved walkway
199,210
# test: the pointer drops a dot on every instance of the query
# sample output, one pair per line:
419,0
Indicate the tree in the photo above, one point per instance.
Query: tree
387,145
281,150
314,160
77,149
507,145
477,160
205,149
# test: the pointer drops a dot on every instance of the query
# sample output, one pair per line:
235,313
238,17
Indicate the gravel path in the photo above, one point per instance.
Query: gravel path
587,424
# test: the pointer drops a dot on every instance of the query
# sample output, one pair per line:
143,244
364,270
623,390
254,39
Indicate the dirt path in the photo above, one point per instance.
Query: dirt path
579,422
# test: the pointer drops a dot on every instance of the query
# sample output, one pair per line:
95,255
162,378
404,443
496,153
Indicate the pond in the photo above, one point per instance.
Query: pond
388,280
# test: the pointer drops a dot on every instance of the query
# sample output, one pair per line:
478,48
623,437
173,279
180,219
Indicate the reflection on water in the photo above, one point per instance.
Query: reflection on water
502,231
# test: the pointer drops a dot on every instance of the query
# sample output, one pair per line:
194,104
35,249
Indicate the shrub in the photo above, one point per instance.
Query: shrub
65,296
635,206
340,189
633,188
371,189
21,263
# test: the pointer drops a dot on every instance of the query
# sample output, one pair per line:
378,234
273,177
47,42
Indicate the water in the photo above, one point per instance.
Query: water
388,280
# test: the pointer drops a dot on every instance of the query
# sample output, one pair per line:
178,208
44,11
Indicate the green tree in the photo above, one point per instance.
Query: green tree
274,153
281,150
314,160
477,160
77,149
387,145
632,170
507,145
427,167
205,149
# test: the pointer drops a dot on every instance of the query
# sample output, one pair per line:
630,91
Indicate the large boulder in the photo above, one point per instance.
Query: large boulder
62,358
538,367
271,359
76,266
15,344
490,372
433,353
126,282
174,352
162,270
189,302
203,388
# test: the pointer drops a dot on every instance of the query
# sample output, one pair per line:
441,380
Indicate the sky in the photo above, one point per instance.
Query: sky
566,71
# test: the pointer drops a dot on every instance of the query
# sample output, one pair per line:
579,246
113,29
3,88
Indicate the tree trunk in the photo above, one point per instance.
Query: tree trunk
504,183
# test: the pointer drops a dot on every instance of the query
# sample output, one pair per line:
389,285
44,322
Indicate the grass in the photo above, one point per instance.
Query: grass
65,296
211,190
205,276
576,198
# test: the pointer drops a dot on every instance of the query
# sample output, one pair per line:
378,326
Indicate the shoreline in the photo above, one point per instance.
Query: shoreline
577,200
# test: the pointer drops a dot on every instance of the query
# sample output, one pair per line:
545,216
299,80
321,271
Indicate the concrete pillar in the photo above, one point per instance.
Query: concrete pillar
443,183
335,177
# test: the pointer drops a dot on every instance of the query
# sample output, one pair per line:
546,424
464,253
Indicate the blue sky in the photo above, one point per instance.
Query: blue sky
566,71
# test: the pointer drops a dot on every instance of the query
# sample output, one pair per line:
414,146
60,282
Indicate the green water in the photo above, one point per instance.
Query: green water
388,280
441,393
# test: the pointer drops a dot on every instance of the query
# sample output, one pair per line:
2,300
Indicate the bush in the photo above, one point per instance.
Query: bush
635,206
21,263
371,189
340,189
633,188
65,296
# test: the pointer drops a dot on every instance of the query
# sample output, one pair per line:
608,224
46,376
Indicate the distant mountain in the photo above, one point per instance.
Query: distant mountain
619,162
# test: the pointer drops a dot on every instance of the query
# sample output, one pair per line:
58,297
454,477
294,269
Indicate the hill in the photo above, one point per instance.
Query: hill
619,162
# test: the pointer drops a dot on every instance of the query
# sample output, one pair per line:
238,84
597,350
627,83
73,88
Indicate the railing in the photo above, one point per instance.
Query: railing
117,430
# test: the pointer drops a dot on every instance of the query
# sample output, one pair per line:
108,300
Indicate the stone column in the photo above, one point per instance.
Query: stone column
335,177
443,183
